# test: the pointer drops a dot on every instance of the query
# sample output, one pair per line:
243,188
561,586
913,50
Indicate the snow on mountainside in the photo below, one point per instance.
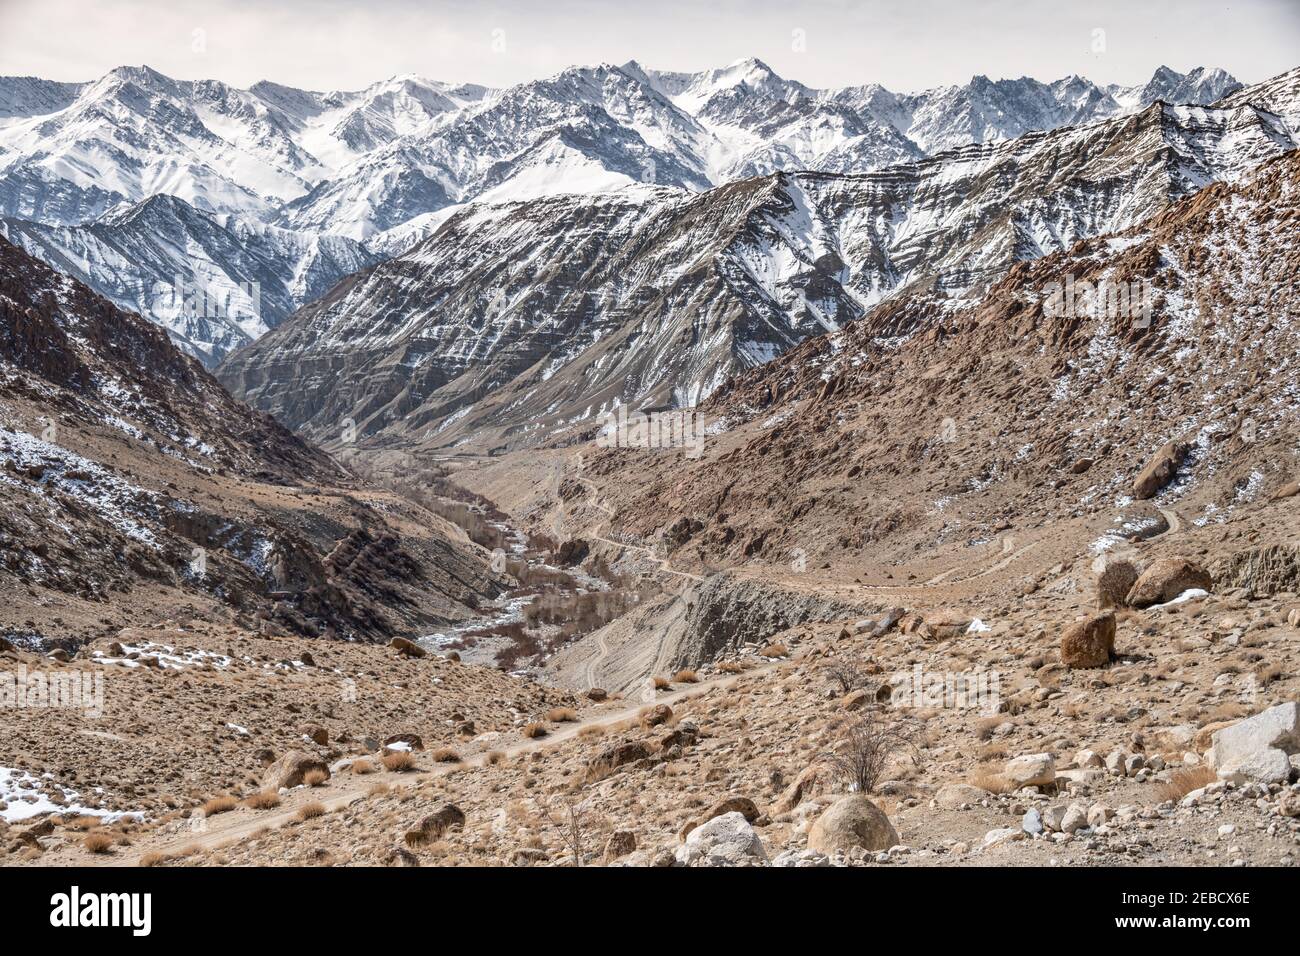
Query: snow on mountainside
365,162
516,319
214,282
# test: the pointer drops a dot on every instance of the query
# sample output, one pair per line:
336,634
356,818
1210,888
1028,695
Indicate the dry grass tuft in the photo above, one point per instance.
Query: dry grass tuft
311,810
219,805
445,755
397,761
661,683
1182,782
731,667
992,782
495,757
153,859
262,800
561,715
686,676
774,651
535,730
97,842
592,730
315,777
362,767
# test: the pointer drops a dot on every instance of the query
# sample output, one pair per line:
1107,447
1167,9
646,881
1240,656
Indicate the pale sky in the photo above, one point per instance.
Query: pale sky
903,44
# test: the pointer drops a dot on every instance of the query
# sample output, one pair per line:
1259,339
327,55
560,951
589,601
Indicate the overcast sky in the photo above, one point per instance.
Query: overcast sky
903,44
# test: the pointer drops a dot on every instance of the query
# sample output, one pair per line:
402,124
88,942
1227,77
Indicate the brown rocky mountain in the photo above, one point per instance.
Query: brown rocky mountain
135,488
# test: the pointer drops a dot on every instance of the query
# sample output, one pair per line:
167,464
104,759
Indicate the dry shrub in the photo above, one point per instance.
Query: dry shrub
560,715
315,777
153,859
1182,782
445,755
378,789
992,781
397,761
535,730
774,651
219,805
592,730
731,667
362,767
263,800
686,676
495,757
860,757
97,842
310,811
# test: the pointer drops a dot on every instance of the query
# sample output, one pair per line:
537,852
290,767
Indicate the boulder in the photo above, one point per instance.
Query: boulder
316,734
441,820
1166,579
597,694
727,840
407,648
1258,747
852,821
804,786
414,741
659,714
1030,770
1160,470
620,754
956,795
620,843
288,771
1090,642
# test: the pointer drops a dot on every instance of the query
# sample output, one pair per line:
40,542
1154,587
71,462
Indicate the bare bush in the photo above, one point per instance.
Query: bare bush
860,757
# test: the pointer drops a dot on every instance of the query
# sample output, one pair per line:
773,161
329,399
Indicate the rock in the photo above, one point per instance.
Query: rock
1289,804
659,714
742,805
414,741
1258,747
619,754
401,856
620,843
597,694
1000,836
1030,770
852,821
60,655
407,648
288,771
1293,617
316,734
1115,762
307,659
1087,758
1289,490
1160,470
1076,818
1263,571
1133,763
1166,579
1114,582
1032,822
7,646
953,796
804,786
441,820
1090,642
857,699
727,840
1099,814
1053,817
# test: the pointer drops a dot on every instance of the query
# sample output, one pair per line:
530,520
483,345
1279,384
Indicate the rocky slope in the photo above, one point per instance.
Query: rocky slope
514,321
136,490
934,422
215,283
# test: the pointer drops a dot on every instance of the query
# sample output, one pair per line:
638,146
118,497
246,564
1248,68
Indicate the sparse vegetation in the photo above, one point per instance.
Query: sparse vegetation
315,777
686,676
560,715
220,804
397,761
309,811
865,749
445,755
97,841
262,800
1184,781
534,730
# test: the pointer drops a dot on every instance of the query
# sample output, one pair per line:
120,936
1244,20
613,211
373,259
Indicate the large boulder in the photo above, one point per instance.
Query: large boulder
852,821
617,755
727,840
1160,470
1030,770
407,648
1090,642
1166,579
1258,747
289,770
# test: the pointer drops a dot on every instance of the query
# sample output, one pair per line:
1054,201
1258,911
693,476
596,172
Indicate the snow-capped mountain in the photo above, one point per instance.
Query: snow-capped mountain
214,282
361,163
512,320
